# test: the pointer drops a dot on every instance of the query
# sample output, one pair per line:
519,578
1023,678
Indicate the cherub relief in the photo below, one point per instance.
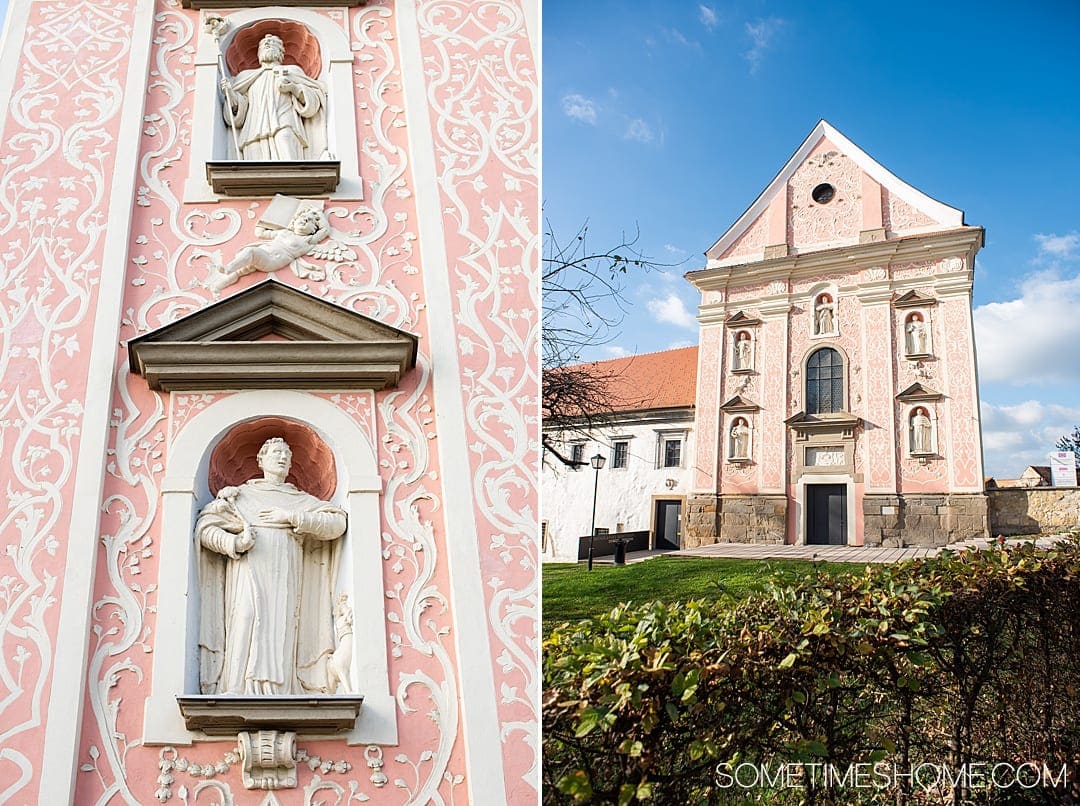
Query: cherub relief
283,247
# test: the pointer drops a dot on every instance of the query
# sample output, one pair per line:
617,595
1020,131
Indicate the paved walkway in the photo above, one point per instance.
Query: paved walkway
839,554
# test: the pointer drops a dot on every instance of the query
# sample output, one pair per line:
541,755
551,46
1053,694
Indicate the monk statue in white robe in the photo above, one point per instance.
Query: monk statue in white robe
269,557
277,110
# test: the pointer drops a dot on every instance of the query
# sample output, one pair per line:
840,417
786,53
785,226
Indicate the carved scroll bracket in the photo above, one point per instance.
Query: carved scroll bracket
268,759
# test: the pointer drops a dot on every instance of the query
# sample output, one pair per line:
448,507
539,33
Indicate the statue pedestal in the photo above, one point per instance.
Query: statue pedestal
289,178
230,714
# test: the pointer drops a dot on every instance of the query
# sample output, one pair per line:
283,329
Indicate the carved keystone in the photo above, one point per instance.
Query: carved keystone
268,758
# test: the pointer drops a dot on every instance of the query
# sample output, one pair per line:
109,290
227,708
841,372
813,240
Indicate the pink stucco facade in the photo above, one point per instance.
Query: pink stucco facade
99,245
837,229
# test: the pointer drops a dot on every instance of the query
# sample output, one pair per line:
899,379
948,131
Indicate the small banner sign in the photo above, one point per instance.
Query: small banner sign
1062,468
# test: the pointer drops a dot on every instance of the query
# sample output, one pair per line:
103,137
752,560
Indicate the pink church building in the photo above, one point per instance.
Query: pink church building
268,433
837,396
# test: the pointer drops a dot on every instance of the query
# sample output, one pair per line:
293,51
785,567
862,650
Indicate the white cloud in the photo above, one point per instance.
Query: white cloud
675,250
761,33
671,309
615,351
639,130
1058,246
677,37
709,18
580,108
1023,434
1031,339
675,345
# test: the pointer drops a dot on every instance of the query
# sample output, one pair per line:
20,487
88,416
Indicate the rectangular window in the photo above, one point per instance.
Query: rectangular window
577,454
619,452
601,530
672,453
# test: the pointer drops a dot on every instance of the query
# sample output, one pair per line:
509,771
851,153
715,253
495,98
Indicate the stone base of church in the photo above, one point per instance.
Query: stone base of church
923,519
734,519
889,521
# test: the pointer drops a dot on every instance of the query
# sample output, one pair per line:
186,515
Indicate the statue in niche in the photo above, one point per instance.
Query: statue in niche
283,246
740,439
266,575
742,351
824,316
917,336
921,432
277,111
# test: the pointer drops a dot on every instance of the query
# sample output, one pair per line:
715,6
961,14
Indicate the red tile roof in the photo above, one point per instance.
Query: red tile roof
667,379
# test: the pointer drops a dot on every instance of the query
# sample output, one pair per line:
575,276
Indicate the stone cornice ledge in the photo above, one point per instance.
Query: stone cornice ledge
229,714
933,246
198,4
234,365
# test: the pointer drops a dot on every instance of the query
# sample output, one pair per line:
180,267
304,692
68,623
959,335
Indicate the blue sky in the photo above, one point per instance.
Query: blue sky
671,117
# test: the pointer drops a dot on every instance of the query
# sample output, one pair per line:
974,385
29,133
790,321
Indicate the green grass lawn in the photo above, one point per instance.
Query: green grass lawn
571,592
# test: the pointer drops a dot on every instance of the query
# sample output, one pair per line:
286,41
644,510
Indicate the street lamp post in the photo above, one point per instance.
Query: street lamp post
597,463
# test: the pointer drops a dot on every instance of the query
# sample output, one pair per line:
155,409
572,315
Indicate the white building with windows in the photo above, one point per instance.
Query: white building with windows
647,445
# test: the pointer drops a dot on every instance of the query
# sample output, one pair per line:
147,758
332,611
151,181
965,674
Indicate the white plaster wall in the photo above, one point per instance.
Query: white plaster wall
623,496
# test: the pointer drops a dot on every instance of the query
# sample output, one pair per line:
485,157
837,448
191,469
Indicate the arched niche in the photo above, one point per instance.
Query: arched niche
322,46
921,416
228,425
917,334
740,425
301,46
742,351
234,459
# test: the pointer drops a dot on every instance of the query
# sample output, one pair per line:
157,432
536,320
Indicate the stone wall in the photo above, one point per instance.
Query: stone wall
735,519
1034,510
700,524
895,521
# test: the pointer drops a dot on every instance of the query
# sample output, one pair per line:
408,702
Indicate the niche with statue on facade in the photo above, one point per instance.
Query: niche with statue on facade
271,502
275,629
276,104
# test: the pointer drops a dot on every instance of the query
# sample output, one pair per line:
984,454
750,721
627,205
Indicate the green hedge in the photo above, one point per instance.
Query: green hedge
958,660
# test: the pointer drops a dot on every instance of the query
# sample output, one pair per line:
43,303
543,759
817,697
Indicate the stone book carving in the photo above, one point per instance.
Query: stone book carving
266,573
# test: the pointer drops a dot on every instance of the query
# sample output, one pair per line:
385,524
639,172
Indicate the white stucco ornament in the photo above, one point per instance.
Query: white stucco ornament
285,242
277,111
266,573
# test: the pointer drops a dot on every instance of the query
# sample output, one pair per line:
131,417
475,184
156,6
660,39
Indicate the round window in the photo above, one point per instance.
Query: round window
823,193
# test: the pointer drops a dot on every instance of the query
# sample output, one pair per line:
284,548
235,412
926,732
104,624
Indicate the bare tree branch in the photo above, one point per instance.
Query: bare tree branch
584,306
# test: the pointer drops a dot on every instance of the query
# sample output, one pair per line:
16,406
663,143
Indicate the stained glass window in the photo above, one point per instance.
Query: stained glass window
824,382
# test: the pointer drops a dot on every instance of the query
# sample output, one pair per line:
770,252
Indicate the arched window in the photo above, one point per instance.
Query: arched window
824,382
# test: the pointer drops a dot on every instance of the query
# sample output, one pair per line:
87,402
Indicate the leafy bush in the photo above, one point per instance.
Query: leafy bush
958,659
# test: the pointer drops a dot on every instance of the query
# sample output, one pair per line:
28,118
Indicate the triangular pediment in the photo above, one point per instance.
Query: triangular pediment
841,423
740,404
913,299
918,392
741,319
272,336
917,211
